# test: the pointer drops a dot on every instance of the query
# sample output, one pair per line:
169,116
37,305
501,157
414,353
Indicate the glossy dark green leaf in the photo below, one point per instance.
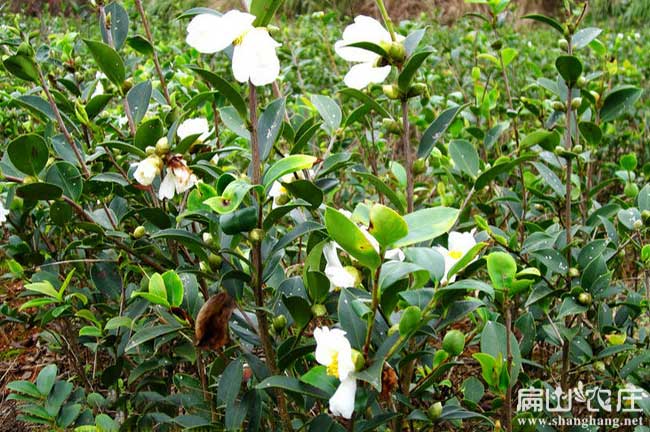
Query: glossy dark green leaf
619,101
465,157
140,44
349,236
584,36
362,97
118,19
39,191
435,131
148,133
386,225
292,385
329,110
22,66
546,20
67,177
384,189
305,190
97,104
427,224
570,68
493,342
410,69
369,46
299,308
138,98
230,382
108,60
28,153
225,88
546,139
591,132
268,126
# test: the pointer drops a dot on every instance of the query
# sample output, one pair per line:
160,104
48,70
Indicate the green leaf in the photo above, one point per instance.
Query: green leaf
329,110
91,331
434,132
570,68
138,98
427,224
468,285
239,221
25,387
369,46
157,286
67,177
264,11
28,153
22,66
502,269
148,133
318,377
465,157
493,342
97,104
466,259
318,286
546,20
140,44
293,385
384,189
117,322
584,36
39,191
550,179
230,382
119,24
591,132
269,125
548,140
287,165
354,326
362,97
173,287
410,69
108,60
351,238
618,101
225,88
299,308
386,225
305,190
46,378
508,55
149,333
45,288
231,197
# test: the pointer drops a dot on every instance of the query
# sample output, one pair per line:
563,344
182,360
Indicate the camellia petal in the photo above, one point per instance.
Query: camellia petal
167,186
195,126
394,255
147,170
3,213
209,33
364,29
255,58
361,75
339,276
342,402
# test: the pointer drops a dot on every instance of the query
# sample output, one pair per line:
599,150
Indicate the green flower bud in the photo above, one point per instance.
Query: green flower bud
162,146
563,44
279,322
30,180
599,366
454,342
585,299
417,89
419,167
215,260
645,215
392,126
282,199
577,148
150,150
257,235
80,113
319,310
631,190
358,360
391,91
574,272
637,225
582,81
576,102
208,239
435,411
410,320
127,85
497,44
559,106
139,232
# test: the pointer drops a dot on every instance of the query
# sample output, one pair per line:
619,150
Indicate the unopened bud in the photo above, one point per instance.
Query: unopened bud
637,225
559,106
574,272
563,44
127,85
585,299
357,360
150,150
208,239
257,235
391,91
139,232
319,310
279,322
162,146
392,126
435,411
576,102
215,260
418,89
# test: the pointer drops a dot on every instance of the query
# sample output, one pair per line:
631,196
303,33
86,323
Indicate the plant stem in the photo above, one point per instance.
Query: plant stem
156,62
257,266
408,155
566,346
373,312
508,402
386,18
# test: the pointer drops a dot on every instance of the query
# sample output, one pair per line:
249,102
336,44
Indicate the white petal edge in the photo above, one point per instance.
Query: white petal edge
342,402
361,75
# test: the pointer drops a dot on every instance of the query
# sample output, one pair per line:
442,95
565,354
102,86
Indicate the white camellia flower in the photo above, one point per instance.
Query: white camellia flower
178,178
394,255
367,70
254,56
147,170
3,213
333,351
458,245
339,276
196,126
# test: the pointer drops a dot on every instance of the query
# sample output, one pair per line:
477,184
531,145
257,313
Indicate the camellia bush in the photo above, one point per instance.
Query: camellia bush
237,222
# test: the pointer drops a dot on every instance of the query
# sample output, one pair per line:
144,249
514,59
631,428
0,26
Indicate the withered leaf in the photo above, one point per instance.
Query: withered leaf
211,327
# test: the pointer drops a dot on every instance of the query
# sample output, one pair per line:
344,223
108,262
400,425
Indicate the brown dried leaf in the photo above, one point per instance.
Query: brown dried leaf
211,328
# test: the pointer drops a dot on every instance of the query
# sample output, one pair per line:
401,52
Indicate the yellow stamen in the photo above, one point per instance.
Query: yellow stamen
455,254
333,367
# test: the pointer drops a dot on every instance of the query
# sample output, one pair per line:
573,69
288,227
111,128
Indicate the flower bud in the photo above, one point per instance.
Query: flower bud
631,190
392,126
393,329
282,199
395,51
257,235
637,225
645,215
595,95
319,310
391,91
497,44
576,102
585,299
577,148
139,232
435,411
418,89
279,322
410,320
582,81
127,85
215,260
574,272
204,267
559,106
80,113
599,366
419,166
563,44
30,179
150,150
162,146
454,342
358,360
208,239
